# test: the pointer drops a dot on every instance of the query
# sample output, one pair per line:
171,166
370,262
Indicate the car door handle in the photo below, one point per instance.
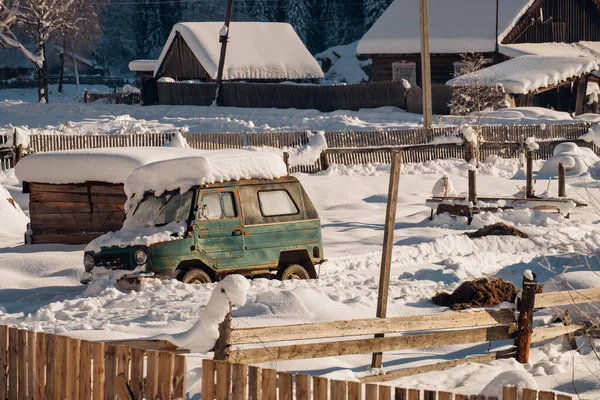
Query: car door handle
237,232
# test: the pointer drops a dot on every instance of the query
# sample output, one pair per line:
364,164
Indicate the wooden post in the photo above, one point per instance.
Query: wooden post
562,189
580,93
570,336
425,66
324,160
388,243
473,186
529,184
222,345
286,160
224,38
525,321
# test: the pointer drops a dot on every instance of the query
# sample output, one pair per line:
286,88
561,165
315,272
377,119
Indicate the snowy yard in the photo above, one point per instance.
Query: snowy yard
40,287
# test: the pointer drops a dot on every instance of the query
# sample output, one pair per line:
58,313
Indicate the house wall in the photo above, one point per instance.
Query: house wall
442,66
564,21
181,64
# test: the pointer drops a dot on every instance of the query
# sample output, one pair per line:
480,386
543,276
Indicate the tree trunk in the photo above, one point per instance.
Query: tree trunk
61,73
42,74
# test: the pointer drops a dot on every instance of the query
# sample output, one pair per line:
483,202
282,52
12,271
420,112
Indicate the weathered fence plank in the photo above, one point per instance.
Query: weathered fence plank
98,349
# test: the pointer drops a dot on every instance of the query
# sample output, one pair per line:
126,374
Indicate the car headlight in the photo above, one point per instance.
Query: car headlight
141,256
88,262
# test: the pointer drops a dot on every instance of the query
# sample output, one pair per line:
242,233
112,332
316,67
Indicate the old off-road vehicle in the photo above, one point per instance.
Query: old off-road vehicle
253,227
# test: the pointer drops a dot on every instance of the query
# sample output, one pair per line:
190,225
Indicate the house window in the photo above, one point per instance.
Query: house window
405,70
459,66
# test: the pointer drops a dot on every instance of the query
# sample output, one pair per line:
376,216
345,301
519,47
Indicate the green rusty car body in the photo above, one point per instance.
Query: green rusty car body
249,227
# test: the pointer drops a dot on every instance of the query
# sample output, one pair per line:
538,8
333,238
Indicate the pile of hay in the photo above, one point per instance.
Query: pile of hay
499,229
483,292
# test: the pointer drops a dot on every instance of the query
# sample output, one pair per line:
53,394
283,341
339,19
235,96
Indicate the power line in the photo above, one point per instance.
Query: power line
182,2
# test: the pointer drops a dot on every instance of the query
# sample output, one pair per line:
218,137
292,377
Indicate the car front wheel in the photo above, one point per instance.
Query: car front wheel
293,271
194,276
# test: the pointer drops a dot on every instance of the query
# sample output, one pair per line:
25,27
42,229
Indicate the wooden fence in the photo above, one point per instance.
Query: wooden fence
37,365
345,147
223,381
348,337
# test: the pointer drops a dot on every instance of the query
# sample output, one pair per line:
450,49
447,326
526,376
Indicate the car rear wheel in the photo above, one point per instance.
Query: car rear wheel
194,276
292,271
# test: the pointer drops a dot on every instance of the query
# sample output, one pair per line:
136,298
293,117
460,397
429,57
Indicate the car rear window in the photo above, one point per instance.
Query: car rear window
274,203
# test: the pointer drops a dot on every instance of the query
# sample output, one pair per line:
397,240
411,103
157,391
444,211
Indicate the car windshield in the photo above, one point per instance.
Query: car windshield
161,210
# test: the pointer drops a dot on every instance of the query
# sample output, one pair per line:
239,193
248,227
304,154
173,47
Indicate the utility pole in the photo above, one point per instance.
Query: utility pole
224,38
425,66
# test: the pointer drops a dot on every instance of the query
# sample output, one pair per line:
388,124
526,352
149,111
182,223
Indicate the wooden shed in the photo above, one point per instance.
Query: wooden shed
77,195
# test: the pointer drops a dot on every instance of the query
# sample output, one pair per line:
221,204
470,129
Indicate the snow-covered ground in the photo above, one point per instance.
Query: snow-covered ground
40,287
67,115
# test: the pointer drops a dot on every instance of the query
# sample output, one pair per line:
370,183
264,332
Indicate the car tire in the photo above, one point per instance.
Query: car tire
292,271
194,276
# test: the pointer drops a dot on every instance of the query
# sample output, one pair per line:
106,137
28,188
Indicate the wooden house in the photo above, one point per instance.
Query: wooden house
256,52
13,64
481,26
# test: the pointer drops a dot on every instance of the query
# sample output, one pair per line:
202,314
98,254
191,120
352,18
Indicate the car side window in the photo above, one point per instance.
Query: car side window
217,206
274,203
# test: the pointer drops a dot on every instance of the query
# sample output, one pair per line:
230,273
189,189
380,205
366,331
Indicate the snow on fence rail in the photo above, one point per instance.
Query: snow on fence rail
45,366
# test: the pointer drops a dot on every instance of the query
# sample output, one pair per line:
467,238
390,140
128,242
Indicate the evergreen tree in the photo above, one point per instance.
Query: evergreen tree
118,45
152,40
262,11
170,14
206,10
298,15
373,10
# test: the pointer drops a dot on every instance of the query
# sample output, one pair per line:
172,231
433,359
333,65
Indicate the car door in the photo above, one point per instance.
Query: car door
219,232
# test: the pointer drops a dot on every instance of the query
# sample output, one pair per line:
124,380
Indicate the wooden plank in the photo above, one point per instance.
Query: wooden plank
338,390
254,384
286,386
269,384
65,238
146,344
545,395
529,394
445,396
510,393
50,389
563,397
179,377
31,353
414,394
3,361
61,370
57,188
545,333
385,392
121,388
223,382
99,367
77,197
319,388
136,382
430,395
73,368
545,300
40,365
152,375
208,380
165,375
22,356
447,320
362,346
371,392
239,381
85,370
303,387
13,366
57,207
354,391
400,394
123,356
110,372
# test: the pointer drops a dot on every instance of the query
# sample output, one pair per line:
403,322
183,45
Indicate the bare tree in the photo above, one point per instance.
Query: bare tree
39,20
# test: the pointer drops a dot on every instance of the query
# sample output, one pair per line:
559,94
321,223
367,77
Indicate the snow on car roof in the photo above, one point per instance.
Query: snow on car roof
204,167
454,26
111,165
256,50
526,74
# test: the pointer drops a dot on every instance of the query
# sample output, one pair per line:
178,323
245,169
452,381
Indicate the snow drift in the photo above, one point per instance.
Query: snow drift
576,160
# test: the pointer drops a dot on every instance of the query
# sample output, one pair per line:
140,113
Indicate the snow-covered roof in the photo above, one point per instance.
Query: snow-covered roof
256,50
14,58
204,167
543,49
526,74
112,165
455,26
142,65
